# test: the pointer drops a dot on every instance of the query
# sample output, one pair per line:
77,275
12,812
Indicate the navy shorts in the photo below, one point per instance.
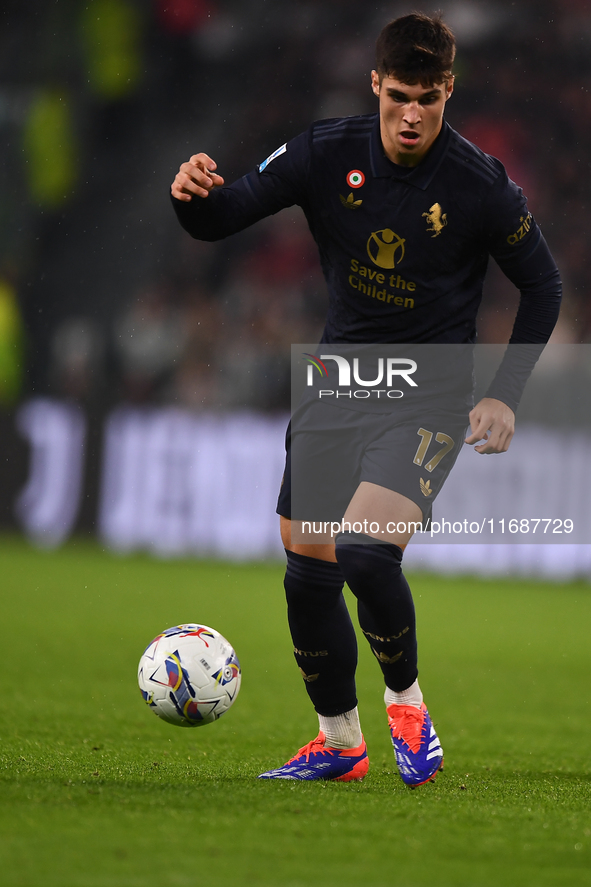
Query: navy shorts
409,452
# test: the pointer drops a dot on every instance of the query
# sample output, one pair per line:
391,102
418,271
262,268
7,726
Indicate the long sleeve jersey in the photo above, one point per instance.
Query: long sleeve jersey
404,251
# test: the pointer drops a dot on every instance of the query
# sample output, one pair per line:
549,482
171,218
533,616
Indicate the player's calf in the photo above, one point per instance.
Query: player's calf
386,610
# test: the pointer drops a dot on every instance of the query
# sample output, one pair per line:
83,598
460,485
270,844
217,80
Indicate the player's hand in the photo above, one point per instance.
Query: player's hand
492,421
196,178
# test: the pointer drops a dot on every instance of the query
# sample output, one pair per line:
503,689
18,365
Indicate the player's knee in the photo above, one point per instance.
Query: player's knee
364,560
309,580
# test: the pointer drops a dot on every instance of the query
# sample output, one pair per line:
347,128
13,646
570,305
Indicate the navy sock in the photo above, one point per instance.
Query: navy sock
325,646
386,610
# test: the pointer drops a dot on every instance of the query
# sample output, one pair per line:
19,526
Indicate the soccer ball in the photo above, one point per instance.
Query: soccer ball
189,675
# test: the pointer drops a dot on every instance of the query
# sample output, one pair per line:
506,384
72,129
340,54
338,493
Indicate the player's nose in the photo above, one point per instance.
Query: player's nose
412,113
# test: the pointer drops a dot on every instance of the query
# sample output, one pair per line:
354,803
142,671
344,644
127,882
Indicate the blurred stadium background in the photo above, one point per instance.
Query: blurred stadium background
144,377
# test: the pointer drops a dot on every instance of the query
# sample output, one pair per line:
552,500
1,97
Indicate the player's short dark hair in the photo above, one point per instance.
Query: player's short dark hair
416,48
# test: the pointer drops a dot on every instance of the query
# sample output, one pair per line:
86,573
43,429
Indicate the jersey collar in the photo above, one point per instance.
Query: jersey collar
422,174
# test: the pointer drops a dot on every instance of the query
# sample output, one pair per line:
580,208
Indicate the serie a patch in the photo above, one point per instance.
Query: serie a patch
262,166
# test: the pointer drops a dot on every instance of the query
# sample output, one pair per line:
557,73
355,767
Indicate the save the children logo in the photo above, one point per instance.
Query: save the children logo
385,248
388,371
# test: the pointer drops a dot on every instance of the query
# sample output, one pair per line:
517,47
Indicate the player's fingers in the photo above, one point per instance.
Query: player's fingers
498,441
479,431
502,431
478,426
198,173
205,163
185,186
204,177
180,195
216,180
486,449
192,179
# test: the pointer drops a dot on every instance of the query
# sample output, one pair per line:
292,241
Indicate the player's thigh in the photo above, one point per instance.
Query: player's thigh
320,478
383,514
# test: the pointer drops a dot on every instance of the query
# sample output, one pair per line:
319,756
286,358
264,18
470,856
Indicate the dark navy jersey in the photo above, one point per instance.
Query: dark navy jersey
404,251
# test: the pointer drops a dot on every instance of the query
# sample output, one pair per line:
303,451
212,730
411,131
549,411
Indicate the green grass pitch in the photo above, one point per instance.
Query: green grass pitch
97,792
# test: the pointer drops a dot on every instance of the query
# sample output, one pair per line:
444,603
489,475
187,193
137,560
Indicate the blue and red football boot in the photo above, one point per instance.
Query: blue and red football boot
416,745
318,761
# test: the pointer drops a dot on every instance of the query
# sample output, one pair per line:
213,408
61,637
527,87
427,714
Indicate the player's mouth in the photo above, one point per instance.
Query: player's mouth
409,138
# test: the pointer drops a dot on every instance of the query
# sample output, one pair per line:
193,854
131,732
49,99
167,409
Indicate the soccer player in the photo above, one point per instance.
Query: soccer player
400,198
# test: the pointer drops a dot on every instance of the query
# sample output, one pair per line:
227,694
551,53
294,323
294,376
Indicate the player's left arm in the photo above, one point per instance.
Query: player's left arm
515,241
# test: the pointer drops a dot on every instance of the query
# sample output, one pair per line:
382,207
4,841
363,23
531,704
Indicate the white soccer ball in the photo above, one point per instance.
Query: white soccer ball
189,675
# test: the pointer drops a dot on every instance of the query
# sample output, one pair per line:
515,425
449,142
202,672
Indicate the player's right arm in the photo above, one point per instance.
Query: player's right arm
196,178
516,243
208,211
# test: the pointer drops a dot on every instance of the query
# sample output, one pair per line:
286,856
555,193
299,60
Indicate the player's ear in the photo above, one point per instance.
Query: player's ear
449,87
375,82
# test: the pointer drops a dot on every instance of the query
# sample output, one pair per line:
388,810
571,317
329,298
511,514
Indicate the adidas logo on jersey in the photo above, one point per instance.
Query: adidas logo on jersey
425,487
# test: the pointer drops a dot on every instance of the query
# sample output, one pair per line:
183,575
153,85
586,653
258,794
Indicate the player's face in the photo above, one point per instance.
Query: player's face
411,116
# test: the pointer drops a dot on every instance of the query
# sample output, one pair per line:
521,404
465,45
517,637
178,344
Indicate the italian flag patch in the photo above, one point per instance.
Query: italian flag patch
355,178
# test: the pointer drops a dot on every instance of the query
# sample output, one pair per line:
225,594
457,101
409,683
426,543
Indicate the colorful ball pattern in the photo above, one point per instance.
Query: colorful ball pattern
189,675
